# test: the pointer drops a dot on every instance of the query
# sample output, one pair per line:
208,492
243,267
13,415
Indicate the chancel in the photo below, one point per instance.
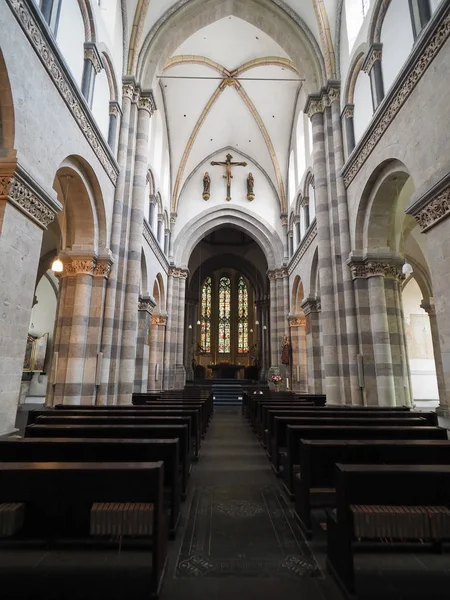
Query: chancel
224,330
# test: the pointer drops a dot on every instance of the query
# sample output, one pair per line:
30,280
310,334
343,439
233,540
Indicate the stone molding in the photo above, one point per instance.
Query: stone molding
45,47
297,321
144,99
92,54
306,242
79,267
154,246
114,109
373,267
418,62
147,102
103,267
297,217
173,218
278,274
433,207
178,273
375,53
429,307
146,304
26,195
284,219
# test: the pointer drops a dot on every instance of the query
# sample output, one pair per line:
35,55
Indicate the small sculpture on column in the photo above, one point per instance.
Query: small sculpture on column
206,186
285,351
250,185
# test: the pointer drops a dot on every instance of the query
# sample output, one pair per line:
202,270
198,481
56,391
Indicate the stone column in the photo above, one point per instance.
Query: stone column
159,234
298,235
107,390
372,66
146,305
350,343
313,346
314,109
284,223
170,336
25,211
420,15
114,114
155,365
76,311
273,319
180,371
430,309
189,321
92,66
299,353
349,126
146,107
291,244
166,241
151,217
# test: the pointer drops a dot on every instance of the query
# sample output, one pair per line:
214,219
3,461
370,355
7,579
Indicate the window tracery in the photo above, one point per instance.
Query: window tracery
205,321
224,315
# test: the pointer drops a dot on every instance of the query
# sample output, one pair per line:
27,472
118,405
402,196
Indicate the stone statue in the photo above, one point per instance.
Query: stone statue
250,185
285,351
206,186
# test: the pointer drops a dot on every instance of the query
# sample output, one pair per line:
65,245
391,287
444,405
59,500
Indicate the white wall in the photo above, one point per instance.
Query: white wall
397,39
420,345
100,103
43,321
363,105
71,37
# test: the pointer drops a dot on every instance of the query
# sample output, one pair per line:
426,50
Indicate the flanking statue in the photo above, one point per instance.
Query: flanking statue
250,185
206,186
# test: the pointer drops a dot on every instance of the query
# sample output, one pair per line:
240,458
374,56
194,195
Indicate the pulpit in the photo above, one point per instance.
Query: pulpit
226,371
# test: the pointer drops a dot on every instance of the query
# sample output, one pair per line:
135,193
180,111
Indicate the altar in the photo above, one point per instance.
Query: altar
226,371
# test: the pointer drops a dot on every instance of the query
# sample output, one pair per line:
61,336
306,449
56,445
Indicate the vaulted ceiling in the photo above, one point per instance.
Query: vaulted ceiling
229,83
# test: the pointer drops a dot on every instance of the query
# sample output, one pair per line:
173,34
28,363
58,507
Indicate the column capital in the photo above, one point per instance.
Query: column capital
374,54
297,218
146,304
314,105
146,102
428,306
128,88
173,218
277,274
160,320
21,190
297,321
368,266
178,273
114,108
91,53
284,219
103,266
78,265
160,217
349,111
311,305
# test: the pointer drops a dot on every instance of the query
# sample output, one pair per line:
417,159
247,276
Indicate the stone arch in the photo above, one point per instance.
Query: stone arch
353,72
375,222
110,73
211,219
90,27
376,22
144,277
309,178
151,182
279,22
159,294
83,220
314,289
422,278
297,296
7,122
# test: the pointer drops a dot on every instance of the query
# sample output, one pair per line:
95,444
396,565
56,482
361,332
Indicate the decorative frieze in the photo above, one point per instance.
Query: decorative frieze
79,267
304,244
178,273
431,209
397,96
297,321
46,50
25,196
317,103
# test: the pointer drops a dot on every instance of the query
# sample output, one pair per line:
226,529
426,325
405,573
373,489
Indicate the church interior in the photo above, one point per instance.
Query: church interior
224,296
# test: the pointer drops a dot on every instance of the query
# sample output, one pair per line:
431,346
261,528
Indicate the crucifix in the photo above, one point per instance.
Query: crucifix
228,176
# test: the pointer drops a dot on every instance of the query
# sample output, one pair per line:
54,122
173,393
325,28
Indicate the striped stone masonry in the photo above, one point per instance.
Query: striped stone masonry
174,376
146,304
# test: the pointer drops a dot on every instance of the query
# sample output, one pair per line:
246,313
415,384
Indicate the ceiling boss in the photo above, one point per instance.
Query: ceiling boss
228,176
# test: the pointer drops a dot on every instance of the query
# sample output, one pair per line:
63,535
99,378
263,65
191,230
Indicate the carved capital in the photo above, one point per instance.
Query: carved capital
435,211
128,90
159,320
349,111
103,267
333,93
297,321
178,273
114,109
310,305
173,218
25,194
147,304
374,54
147,102
80,266
92,54
314,105
284,219
372,267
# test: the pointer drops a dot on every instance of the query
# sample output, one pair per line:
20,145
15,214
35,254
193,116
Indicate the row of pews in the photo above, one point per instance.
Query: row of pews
381,473
94,493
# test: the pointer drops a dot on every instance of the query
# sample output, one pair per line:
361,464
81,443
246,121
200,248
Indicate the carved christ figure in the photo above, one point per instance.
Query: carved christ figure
228,176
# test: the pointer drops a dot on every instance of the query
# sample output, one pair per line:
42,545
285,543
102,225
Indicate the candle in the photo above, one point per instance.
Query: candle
287,383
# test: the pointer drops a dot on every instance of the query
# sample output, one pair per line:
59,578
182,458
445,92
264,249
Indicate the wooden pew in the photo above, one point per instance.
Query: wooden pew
314,483
377,485
278,439
144,432
349,432
105,450
148,398
271,413
157,417
58,498
126,420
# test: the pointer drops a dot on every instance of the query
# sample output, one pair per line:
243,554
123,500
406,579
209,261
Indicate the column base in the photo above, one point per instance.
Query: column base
443,413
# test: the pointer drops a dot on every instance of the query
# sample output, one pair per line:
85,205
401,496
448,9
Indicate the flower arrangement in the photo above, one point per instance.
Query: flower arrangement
276,379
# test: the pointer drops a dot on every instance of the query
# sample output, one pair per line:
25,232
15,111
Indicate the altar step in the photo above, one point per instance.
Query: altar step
227,393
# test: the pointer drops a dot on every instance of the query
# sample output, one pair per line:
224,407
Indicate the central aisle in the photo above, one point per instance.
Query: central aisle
238,534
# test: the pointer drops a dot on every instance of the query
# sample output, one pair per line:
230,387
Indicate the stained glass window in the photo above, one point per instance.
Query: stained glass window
205,320
224,315
242,316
